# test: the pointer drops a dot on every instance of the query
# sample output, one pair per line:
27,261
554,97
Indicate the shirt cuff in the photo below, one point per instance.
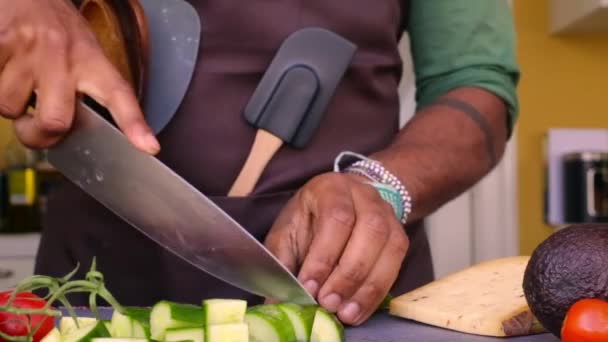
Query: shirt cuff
499,82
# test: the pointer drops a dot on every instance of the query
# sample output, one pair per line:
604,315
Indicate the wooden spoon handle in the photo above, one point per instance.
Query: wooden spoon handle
264,148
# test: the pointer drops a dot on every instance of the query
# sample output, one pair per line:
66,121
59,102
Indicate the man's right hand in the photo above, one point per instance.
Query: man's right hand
46,47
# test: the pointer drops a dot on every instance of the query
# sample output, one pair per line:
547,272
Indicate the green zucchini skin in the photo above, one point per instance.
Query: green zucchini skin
166,315
87,333
268,323
326,327
301,317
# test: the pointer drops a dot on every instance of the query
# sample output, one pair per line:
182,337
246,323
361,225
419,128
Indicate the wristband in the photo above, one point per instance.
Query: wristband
390,187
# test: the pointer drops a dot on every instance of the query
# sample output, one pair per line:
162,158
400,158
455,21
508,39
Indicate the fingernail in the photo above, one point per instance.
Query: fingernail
151,143
312,287
331,302
350,312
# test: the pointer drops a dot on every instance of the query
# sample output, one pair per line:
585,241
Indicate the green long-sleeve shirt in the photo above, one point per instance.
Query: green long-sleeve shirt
458,43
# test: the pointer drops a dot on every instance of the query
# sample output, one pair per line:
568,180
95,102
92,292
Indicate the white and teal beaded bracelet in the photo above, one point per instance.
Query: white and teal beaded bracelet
391,189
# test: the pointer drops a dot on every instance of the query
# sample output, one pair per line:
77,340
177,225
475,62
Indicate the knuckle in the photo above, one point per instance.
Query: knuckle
376,223
400,245
343,214
374,290
27,34
53,124
120,89
353,273
7,38
56,37
320,267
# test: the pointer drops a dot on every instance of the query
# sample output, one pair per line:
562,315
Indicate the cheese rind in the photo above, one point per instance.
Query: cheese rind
485,299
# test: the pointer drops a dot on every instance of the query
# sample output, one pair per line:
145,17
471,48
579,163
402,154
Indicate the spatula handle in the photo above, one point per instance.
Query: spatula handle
264,148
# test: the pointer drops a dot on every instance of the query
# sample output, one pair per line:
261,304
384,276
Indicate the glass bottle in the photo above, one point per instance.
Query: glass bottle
22,211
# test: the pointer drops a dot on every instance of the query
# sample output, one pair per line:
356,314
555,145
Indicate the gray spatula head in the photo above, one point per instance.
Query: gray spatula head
296,89
175,32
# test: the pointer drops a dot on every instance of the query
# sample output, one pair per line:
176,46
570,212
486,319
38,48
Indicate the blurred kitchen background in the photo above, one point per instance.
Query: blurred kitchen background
555,171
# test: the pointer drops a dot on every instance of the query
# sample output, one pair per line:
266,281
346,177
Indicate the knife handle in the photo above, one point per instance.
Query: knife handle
264,148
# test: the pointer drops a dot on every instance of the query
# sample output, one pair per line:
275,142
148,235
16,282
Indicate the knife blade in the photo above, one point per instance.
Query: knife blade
147,194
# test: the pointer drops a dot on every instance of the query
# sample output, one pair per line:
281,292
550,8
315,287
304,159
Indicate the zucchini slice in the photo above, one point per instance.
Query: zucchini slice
53,336
167,315
238,332
326,327
267,323
68,324
119,339
224,311
122,325
185,334
87,332
301,318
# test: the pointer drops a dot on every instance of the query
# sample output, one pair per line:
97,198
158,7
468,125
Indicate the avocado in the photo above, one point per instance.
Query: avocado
570,265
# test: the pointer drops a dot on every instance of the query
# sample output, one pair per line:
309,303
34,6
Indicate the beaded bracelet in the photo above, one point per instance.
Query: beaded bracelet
389,186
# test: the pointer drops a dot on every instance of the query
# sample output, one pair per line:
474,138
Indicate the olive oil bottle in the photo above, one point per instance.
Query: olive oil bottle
3,200
22,210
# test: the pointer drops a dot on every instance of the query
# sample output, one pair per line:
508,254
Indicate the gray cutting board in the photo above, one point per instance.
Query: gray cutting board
384,328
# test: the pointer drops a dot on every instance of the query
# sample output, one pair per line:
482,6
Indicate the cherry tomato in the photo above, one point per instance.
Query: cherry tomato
13,325
586,321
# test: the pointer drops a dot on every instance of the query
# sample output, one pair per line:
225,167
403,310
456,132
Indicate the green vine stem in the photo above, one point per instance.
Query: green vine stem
57,291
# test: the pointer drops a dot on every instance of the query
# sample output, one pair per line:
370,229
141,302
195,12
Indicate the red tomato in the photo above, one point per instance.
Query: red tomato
13,325
586,321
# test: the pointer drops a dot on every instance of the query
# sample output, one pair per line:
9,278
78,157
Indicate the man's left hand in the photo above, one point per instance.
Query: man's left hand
344,242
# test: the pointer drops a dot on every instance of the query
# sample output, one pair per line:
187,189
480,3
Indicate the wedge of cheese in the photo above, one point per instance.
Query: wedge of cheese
486,299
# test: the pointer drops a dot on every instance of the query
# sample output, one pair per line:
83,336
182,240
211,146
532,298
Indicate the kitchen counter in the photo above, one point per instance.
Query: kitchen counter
384,328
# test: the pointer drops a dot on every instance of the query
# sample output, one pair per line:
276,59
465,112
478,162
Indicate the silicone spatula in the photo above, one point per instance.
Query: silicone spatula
155,44
289,103
175,34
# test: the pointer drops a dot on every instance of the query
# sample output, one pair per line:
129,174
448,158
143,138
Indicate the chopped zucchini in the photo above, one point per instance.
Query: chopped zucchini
238,332
122,325
87,332
53,336
119,339
140,321
167,315
267,323
301,318
108,325
224,311
140,330
326,327
68,324
185,334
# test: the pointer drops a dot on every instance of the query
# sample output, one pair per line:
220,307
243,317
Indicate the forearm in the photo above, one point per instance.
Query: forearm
447,147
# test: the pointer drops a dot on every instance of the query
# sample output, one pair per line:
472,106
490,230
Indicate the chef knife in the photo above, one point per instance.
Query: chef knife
151,197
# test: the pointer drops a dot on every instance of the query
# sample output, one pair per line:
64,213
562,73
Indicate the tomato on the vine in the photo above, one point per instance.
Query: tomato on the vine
14,325
586,321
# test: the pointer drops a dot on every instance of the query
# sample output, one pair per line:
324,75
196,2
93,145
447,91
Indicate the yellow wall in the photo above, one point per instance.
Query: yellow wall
564,84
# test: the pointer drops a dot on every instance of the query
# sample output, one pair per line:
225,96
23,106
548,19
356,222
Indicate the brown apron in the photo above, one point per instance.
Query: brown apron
207,143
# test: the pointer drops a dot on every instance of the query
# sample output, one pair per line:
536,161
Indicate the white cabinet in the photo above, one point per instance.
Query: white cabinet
17,257
579,16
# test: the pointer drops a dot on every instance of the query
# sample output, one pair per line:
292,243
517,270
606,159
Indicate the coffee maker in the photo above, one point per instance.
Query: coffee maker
585,184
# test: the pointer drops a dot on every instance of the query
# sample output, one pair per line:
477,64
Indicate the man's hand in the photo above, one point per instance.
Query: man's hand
345,243
47,48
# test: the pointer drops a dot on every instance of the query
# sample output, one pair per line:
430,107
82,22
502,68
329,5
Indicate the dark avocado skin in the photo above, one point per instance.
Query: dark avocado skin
570,265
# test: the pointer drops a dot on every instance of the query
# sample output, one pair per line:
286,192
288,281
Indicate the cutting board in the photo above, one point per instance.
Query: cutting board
384,328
